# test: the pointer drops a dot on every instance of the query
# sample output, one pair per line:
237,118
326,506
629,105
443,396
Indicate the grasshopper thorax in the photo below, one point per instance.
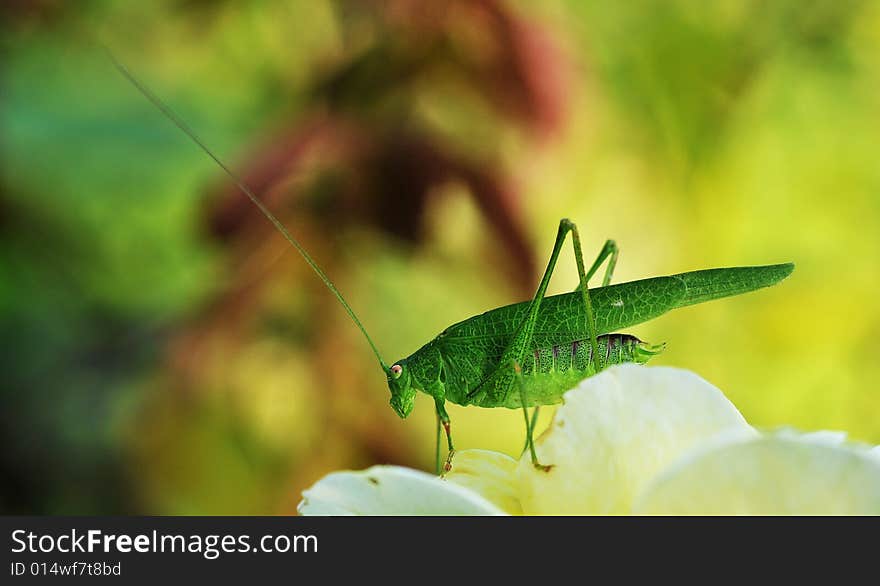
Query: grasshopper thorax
403,394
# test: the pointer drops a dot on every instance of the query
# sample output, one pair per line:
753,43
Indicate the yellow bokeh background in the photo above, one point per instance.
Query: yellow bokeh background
695,135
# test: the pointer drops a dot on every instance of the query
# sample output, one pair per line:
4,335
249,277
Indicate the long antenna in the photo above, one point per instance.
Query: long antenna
169,113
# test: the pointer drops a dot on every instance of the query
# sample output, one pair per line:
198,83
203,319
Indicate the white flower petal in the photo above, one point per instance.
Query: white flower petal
825,437
491,474
770,475
616,431
391,490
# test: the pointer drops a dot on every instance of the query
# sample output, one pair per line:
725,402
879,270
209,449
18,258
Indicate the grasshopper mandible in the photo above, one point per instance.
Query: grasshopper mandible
527,354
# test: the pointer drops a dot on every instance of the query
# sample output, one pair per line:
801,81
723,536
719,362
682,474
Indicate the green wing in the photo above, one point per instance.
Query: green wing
562,318
627,304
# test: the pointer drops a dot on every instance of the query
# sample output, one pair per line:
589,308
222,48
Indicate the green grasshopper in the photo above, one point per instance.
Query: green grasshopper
527,354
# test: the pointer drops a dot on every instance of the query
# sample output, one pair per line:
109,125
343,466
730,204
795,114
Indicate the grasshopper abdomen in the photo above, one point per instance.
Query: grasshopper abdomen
547,373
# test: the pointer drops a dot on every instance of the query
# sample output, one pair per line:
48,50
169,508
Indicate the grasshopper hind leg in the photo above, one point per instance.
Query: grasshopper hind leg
611,250
535,411
500,382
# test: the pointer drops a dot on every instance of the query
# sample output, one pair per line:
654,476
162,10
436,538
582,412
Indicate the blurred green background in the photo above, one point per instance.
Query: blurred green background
163,352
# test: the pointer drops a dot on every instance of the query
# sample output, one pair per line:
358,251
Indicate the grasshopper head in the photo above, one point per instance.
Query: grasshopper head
403,395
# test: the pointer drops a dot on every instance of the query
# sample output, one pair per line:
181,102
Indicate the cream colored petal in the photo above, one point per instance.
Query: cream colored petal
770,475
829,438
391,490
491,474
616,432
825,437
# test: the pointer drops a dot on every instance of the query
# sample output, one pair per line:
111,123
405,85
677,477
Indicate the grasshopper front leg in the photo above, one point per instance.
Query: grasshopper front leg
444,421
437,465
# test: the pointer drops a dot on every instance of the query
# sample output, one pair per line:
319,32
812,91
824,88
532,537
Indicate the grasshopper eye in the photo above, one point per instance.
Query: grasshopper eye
396,370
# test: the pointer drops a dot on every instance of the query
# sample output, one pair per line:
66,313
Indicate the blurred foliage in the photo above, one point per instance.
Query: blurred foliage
164,353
